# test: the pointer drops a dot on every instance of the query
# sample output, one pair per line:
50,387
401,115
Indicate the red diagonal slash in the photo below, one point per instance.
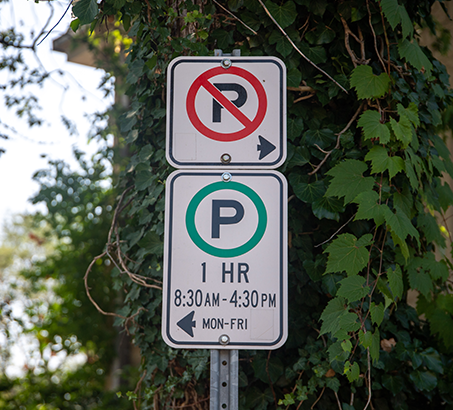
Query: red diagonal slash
225,102
249,125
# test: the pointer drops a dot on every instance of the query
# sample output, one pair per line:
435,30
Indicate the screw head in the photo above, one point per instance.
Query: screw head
226,63
226,177
224,340
225,158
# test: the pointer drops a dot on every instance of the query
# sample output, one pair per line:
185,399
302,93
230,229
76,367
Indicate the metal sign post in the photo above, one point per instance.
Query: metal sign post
225,251
224,379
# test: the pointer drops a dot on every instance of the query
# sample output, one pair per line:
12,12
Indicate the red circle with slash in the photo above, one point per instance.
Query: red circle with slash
249,125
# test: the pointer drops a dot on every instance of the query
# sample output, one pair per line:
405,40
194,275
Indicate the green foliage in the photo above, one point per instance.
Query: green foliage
367,84
364,169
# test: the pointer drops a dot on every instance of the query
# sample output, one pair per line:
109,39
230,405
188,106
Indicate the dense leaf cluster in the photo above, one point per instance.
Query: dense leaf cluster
365,171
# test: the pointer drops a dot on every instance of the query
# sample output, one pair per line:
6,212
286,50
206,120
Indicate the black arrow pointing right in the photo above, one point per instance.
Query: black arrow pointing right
265,147
187,323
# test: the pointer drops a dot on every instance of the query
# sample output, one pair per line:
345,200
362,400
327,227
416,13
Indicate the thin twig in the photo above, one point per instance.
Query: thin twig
297,49
236,18
87,288
369,378
137,388
302,89
269,377
53,28
338,400
319,398
295,386
374,37
337,145
338,230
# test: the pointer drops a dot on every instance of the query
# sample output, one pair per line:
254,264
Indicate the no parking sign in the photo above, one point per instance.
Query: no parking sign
226,112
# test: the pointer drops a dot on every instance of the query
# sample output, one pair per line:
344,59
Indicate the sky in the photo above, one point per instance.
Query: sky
73,94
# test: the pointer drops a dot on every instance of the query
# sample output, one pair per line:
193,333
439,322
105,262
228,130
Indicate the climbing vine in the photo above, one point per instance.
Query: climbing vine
367,169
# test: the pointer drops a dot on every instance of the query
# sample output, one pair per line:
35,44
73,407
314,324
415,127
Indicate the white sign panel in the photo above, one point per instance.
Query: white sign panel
227,112
225,260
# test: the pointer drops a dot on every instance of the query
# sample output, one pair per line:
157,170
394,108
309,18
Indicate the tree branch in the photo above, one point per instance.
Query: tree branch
297,49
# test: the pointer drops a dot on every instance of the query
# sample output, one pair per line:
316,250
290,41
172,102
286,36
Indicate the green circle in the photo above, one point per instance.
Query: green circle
212,250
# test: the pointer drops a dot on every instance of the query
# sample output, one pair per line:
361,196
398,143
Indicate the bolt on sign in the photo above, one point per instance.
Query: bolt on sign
226,112
225,260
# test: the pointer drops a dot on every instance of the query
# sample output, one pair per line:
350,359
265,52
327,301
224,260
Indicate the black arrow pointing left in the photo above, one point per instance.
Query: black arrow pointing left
187,323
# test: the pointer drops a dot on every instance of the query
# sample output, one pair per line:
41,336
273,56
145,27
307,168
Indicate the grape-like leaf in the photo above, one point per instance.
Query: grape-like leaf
399,223
367,84
396,281
369,207
411,112
348,180
347,253
370,121
377,312
352,372
365,338
402,130
381,161
353,288
414,55
331,315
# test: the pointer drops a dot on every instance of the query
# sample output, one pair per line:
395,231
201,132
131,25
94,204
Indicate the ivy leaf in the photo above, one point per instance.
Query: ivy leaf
306,192
370,121
152,243
353,288
414,55
367,84
348,180
393,383
347,253
323,138
282,44
85,10
258,398
377,313
369,208
424,380
432,360
395,278
328,208
284,14
381,161
331,315
375,345
293,79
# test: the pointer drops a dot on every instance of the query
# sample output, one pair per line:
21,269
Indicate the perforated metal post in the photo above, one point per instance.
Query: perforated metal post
224,380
